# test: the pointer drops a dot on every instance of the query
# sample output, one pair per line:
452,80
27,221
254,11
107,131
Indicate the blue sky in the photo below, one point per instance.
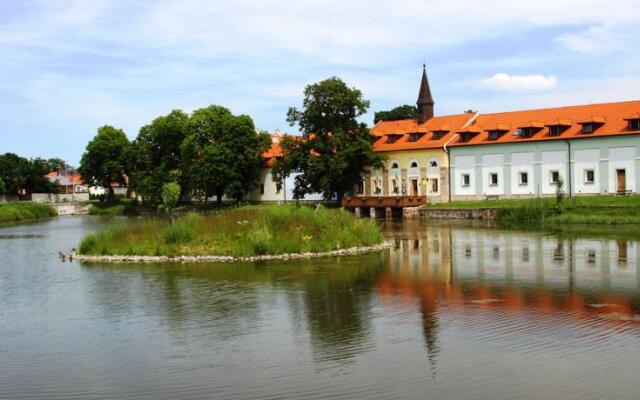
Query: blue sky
70,66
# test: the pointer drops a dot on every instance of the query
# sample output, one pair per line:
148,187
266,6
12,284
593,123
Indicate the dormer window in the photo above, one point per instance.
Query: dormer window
588,128
526,132
437,135
393,138
634,124
465,137
590,125
495,135
415,136
556,130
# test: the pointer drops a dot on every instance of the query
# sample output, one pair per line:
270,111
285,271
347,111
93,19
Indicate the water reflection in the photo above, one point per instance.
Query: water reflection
450,312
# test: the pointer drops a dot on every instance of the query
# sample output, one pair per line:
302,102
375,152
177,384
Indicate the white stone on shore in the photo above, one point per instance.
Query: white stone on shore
225,259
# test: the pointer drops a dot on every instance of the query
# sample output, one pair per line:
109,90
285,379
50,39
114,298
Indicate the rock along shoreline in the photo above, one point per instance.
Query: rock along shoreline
229,259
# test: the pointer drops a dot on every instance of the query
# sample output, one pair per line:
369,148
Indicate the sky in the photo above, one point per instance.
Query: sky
68,67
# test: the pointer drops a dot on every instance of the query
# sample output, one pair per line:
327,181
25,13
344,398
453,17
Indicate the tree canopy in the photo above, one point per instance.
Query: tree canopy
21,175
401,112
106,159
336,147
157,152
222,153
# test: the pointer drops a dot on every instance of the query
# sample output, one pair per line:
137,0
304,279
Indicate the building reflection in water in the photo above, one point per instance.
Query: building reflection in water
449,267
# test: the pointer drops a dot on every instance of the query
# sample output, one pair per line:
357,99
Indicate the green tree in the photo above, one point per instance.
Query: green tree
105,159
171,192
401,112
3,188
156,152
336,147
222,153
57,164
21,175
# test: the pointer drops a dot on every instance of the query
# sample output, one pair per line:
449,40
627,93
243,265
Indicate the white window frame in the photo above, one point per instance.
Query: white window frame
491,175
467,178
520,175
551,172
586,175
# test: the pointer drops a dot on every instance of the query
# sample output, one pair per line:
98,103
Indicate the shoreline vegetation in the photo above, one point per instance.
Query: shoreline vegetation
585,210
15,212
239,233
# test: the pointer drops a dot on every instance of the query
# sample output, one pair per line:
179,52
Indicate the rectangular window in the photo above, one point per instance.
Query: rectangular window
589,176
392,138
465,137
526,132
493,179
360,187
413,137
554,176
634,124
434,185
494,135
554,130
587,128
262,188
523,178
438,135
466,180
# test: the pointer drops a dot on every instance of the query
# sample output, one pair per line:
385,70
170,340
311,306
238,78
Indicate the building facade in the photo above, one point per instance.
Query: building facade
538,152
579,150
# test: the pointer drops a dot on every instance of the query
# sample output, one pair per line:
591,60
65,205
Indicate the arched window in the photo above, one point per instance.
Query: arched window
414,165
394,165
433,164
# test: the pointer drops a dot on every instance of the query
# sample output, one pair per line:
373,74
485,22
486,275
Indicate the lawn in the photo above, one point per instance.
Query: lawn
594,210
243,231
13,212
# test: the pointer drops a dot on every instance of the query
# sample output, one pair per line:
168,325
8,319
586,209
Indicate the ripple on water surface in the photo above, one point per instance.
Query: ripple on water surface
452,312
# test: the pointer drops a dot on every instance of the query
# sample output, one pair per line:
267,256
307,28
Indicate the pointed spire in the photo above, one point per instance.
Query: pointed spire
425,100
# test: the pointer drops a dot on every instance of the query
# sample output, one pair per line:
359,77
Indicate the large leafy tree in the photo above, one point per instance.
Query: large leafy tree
21,175
401,112
106,159
222,153
335,148
157,152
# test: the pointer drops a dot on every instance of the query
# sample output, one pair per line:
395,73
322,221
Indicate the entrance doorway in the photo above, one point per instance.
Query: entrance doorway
622,181
414,187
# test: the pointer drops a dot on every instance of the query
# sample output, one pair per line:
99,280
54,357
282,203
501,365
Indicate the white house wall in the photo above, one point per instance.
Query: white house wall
538,159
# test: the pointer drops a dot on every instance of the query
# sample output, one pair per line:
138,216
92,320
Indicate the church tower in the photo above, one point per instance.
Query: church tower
425,101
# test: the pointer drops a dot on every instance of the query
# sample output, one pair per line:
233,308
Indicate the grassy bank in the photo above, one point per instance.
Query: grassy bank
120,207
12,212
592,210
244,231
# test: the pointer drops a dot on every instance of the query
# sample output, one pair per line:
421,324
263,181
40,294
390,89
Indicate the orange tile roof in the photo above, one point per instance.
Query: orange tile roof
448,124
610,117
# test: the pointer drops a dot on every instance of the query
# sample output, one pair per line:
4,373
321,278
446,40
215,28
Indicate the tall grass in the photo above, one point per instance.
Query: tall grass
12,212
244,231
119,207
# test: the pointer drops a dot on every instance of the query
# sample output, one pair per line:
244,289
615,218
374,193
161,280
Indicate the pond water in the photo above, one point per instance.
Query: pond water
453,312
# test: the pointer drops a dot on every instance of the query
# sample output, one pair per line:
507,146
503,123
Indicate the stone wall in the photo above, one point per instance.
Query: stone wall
58,198
459,213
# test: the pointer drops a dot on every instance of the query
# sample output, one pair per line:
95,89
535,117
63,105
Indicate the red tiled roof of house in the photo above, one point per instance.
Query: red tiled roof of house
444,124
610,120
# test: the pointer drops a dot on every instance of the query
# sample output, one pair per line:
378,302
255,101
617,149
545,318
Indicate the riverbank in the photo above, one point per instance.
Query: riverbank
589,210
241,232
15,212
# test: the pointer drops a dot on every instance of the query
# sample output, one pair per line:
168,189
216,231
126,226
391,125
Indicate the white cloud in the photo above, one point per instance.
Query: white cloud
597,40
520,83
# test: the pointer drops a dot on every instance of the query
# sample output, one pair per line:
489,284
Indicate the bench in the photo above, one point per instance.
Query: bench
492,197
624,193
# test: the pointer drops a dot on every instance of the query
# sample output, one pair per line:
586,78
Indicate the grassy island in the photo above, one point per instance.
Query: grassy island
244,231
14,212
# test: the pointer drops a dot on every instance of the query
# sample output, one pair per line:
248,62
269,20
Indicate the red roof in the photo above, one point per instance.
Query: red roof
442,124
